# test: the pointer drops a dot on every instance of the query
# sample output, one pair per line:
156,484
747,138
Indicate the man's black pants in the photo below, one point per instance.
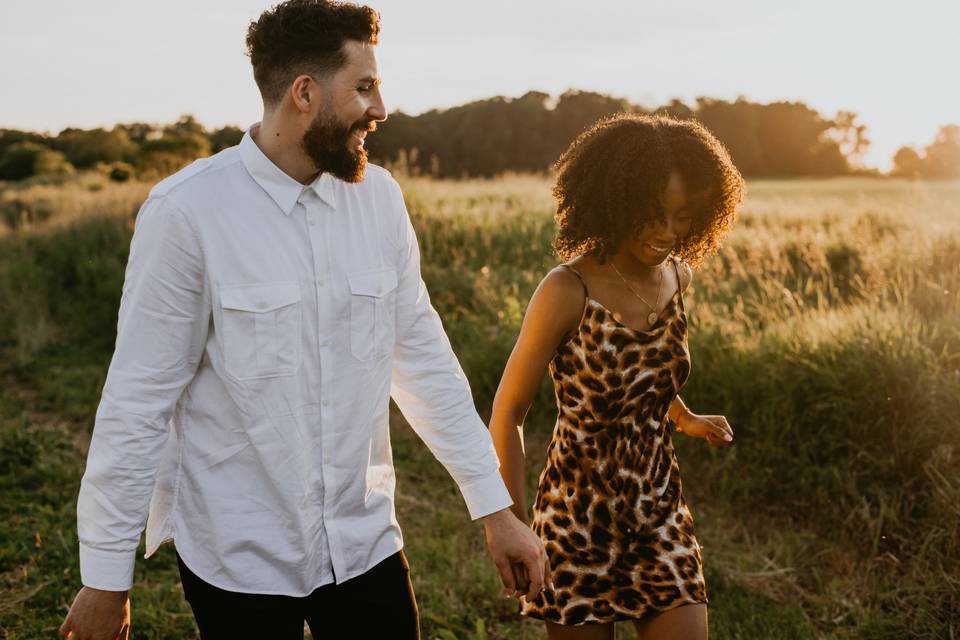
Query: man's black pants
377,604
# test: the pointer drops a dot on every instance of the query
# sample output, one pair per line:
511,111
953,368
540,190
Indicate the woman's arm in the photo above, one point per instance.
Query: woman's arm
678,412
714,429
554,311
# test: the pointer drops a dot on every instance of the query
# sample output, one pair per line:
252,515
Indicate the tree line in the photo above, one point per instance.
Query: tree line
779,139
497,135
142,149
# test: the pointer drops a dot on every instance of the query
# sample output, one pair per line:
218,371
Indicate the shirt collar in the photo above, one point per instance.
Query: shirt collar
283,189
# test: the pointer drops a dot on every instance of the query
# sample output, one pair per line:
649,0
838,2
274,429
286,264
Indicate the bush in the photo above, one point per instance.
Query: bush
120,171
28,159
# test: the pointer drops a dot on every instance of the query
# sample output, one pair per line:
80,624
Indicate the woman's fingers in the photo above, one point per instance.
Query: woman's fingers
721,428
715,441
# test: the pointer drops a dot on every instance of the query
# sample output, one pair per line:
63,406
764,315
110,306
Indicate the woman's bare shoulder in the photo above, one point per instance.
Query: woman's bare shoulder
558,300
563,283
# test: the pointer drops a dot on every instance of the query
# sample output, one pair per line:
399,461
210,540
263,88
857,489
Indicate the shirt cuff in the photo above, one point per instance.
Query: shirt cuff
485,496
106,570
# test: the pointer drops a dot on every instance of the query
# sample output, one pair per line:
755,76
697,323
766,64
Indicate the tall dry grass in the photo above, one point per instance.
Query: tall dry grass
827,329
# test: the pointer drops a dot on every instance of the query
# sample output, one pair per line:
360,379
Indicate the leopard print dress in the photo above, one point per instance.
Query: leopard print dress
609,506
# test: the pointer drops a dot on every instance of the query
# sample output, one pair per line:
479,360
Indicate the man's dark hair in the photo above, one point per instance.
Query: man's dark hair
305,37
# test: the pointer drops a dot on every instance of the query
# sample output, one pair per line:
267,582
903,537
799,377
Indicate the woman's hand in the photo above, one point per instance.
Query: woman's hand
715,429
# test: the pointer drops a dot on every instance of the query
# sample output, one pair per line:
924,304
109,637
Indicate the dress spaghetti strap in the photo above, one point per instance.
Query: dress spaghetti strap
676,269
579,277
586,299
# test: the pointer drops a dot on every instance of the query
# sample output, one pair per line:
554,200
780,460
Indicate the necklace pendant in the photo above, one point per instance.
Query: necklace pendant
652,317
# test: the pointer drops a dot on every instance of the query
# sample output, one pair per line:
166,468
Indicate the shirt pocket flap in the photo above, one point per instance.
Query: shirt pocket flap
260,298
372,283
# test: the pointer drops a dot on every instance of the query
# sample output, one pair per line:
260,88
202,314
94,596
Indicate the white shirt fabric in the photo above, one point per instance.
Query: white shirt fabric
263,328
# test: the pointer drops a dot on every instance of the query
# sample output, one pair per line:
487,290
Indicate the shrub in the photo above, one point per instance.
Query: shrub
28,159
120,171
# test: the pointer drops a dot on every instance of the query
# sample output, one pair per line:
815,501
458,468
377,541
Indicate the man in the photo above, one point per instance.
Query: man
272,305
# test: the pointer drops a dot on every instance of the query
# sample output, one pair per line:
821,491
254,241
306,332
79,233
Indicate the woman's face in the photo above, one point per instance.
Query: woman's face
655,242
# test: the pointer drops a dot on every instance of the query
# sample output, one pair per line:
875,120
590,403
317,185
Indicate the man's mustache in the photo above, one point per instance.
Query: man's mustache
367,125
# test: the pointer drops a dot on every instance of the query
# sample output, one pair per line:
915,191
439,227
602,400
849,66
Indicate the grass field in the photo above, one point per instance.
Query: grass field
827,330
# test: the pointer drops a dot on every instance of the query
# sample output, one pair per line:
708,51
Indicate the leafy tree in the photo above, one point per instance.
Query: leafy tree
179,144
736,125
577,110
940,159
139,132
501,134
907,163
677,109
850,136
85,148
225,137
943,154
12,136
488,137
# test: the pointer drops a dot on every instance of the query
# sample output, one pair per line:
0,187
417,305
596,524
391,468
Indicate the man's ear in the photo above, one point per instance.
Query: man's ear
303,92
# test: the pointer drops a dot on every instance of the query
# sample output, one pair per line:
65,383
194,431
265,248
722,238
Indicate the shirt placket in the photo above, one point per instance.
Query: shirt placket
316,215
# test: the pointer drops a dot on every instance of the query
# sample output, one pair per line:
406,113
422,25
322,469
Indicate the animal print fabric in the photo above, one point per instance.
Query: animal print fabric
609,506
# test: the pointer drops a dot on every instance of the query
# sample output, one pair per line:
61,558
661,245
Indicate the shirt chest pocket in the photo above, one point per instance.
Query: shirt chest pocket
261,329
373,312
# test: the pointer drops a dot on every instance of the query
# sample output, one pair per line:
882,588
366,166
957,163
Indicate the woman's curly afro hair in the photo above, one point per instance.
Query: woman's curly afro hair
305,37
612,178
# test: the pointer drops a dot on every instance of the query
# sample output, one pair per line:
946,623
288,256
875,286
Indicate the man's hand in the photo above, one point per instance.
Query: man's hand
98,615
715,429
518,554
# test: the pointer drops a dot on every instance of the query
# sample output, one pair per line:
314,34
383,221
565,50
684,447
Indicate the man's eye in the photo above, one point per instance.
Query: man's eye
365,88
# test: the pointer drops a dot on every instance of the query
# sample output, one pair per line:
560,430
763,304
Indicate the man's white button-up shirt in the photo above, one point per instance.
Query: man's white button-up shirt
263,327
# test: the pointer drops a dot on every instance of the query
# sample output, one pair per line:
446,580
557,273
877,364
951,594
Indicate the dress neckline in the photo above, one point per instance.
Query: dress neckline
652,328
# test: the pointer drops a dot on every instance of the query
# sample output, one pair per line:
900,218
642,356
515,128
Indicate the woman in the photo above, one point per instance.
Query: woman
640,200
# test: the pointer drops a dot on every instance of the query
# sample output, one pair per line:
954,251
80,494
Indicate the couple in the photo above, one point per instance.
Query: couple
272,306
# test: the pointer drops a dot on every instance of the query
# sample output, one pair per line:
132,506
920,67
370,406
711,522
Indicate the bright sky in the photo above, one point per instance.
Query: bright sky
99,62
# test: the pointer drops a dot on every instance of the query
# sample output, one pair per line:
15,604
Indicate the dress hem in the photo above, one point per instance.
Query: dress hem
618,617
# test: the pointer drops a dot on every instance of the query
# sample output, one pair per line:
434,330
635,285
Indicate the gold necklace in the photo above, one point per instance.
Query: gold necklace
652,316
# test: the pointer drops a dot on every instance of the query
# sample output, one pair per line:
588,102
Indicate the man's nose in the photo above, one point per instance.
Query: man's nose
377,110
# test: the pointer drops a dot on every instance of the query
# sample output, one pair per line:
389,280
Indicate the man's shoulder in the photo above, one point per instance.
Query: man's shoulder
203,172
378,189
376,178
375,172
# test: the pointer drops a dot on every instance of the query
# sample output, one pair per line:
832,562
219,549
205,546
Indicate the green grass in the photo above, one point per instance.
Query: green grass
827,330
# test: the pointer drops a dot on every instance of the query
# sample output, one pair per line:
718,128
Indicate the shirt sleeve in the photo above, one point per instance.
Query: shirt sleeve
431,390
161,332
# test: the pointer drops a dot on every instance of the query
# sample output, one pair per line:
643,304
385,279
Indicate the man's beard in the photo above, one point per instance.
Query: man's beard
326,140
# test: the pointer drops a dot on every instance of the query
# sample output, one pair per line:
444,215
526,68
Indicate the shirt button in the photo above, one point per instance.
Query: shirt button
313,222
326,403
321,282
325,343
